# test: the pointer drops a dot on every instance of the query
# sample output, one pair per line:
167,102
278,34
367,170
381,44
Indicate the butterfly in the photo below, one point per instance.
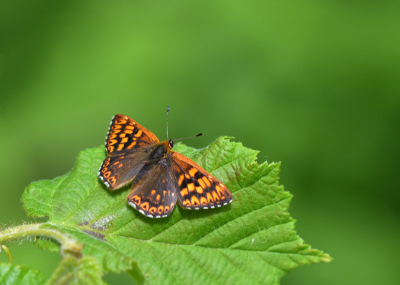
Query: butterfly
159,176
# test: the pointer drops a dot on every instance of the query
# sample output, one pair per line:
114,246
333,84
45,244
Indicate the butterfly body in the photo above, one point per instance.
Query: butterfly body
159,176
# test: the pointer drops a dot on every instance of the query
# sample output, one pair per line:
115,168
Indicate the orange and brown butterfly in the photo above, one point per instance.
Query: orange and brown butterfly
159,175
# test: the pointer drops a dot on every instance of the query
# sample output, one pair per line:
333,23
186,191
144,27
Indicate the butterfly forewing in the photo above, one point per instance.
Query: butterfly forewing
197,189
127,146
127,135
155,194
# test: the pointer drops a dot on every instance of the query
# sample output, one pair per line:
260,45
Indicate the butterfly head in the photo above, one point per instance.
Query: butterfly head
171,143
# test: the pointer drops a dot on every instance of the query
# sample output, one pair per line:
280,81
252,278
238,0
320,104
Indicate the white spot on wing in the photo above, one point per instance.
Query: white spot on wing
132,204
141,211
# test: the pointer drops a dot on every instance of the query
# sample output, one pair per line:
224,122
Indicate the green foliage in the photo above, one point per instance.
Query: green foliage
48,244
74,270
250,241
20,274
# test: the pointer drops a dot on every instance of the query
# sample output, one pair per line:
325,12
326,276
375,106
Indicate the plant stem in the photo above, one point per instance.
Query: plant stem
8,252
34,230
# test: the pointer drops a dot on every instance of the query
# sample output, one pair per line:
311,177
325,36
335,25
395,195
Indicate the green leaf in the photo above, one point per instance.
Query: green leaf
20,274
48,244
72,270
137,275
252,240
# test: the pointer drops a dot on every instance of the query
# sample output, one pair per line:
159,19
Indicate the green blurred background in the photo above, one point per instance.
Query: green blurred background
314,84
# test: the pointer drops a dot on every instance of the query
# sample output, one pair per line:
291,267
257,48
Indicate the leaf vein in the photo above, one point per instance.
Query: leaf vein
169,270
201,269
239,269
248,213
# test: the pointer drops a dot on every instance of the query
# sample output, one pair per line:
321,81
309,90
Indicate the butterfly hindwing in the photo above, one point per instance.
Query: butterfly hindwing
154,195
197,189
125,134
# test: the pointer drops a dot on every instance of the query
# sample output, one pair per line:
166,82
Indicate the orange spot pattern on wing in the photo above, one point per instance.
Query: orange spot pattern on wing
131,145
202,184
191,187
220,191
138,134
184,192
112,180
145,206
210,198
206,181
193,171
136,199
195,201
181,177
215,196
199,190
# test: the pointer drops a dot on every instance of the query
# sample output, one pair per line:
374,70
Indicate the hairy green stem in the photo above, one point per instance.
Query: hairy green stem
37,230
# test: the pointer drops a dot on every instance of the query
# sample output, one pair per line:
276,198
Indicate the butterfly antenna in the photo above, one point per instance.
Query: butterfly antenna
189,137
167,120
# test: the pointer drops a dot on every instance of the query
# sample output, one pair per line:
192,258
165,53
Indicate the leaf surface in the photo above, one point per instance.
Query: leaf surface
75,271
20,274
252,240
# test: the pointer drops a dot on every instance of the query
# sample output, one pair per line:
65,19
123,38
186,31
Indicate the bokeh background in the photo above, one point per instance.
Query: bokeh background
314,84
